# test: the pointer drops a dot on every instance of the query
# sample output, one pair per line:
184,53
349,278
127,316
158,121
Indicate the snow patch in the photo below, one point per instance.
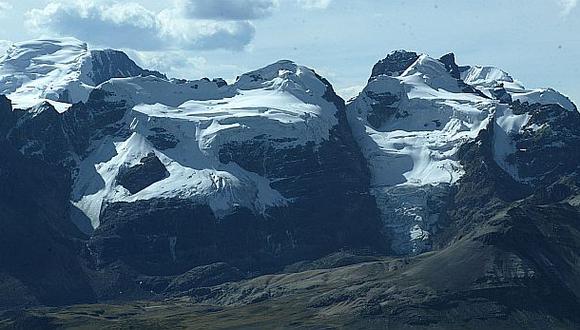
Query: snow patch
543,97
507,125
489,77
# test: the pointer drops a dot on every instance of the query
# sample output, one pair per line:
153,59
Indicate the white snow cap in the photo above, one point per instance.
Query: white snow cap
53,70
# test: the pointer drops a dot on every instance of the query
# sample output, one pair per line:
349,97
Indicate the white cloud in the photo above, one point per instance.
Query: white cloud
348,93
130,25
113,24
227,9
314,4
176,64
204,34
185,65
4,7
567,6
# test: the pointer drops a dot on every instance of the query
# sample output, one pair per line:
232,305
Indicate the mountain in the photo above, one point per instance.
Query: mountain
167,175
265,175
415,116
442,196
61,71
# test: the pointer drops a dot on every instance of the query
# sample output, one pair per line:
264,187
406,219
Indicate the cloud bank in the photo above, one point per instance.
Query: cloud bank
131,25
567,6
183,25
314,4
227,9
4,7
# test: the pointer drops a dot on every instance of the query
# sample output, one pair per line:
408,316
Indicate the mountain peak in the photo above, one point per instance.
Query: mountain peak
19,55
270,71
284,74
449,61
111,63
394,64
61,71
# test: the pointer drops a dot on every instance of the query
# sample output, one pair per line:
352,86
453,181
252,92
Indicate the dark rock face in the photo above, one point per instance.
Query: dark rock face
483,191
168,237
143,175
383,107
7,118
553,149
43,133
39,248
547,157
327,191
449,61
162,139
54,137
219,82
502,95
111,63
40,132
102,111
394,64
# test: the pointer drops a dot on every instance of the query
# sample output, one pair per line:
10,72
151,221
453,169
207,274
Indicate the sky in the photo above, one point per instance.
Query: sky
536,41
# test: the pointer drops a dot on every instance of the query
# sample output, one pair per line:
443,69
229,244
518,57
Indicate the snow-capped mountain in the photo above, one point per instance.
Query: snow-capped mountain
60,71
119,183
265,157
411,121
282,102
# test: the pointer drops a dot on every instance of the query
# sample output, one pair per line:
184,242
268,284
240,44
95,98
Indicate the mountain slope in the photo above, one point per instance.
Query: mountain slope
39,247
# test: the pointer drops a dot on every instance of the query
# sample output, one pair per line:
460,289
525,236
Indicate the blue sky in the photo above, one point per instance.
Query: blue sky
537,41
